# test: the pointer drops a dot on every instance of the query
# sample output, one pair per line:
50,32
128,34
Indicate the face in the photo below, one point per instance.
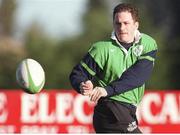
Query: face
125,27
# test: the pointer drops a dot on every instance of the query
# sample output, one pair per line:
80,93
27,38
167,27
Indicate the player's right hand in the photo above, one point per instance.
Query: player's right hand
97,93
86,88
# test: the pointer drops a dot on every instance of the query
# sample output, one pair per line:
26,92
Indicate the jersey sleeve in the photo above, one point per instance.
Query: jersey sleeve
88,67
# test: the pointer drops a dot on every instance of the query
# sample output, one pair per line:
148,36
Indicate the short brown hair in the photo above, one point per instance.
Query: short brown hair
127,7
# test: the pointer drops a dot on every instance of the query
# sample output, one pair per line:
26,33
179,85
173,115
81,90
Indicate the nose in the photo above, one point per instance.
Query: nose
122,26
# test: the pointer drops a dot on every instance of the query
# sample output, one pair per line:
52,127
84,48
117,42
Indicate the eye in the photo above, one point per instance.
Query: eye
118,24
126,23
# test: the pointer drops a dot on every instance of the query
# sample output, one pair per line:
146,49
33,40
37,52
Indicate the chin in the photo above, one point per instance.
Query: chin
123,40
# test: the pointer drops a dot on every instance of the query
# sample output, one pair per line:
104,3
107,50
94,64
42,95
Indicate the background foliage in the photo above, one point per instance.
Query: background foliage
59,56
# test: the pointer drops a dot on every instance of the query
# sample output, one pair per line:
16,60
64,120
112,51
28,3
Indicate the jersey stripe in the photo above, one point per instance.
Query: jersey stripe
149,56
91,66
87,68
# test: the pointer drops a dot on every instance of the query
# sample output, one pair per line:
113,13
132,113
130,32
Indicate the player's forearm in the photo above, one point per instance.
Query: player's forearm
132,78
76,77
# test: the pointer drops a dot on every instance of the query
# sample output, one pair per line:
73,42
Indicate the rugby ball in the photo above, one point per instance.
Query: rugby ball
30,76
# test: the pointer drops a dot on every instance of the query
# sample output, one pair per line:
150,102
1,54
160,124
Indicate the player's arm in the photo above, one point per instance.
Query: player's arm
134,76
77,76
84,71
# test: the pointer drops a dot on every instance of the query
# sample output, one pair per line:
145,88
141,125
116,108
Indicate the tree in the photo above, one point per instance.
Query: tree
7,10
11,51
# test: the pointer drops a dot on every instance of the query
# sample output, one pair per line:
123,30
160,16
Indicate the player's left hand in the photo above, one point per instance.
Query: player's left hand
97,93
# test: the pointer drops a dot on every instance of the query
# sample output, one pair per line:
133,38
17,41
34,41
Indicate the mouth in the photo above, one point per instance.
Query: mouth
123,33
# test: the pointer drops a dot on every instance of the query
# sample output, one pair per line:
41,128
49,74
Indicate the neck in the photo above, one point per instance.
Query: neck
126,45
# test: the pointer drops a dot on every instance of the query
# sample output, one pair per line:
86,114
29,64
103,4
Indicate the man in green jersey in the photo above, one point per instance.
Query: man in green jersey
113,73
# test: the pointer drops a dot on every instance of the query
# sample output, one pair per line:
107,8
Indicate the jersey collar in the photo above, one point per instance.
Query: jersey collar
137,37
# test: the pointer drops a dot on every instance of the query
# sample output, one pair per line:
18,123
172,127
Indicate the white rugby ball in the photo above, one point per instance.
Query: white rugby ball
30,76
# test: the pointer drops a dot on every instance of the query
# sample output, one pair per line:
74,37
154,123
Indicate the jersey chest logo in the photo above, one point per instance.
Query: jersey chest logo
137,50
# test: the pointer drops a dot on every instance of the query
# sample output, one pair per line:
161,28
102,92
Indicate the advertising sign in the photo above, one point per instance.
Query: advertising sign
65,111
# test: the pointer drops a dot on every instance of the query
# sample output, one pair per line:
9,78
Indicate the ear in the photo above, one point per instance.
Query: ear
137,25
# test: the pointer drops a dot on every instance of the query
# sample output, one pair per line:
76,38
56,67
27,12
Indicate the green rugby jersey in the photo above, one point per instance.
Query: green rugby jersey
113,60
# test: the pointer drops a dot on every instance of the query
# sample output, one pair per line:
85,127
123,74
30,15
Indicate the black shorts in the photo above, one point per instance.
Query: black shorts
115,117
